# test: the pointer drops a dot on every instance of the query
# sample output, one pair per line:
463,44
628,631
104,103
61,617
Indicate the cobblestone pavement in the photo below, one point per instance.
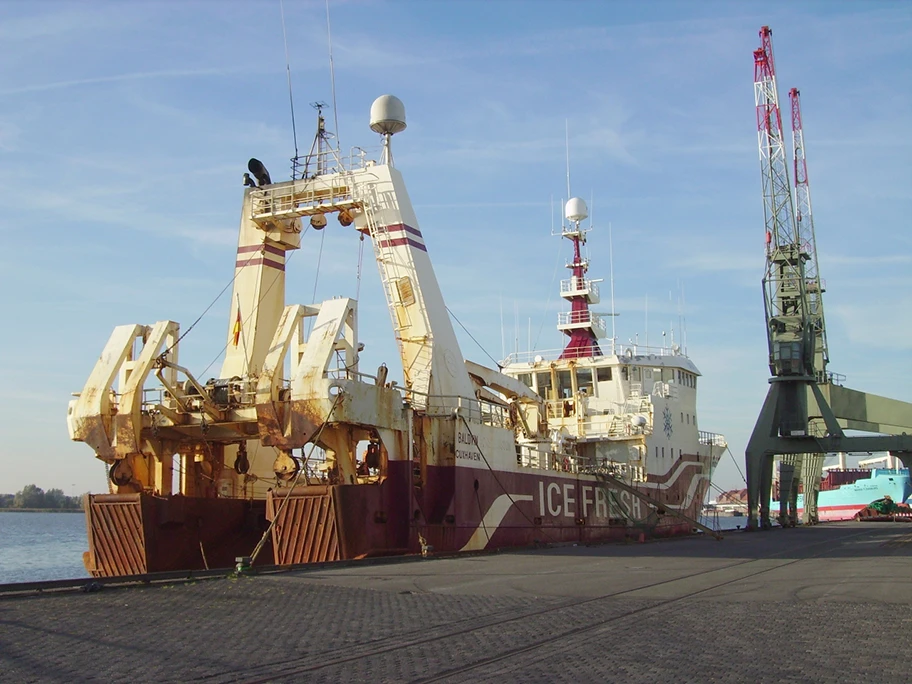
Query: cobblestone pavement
824,604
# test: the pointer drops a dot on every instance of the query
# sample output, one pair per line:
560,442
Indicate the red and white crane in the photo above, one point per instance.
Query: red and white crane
796,334
804,223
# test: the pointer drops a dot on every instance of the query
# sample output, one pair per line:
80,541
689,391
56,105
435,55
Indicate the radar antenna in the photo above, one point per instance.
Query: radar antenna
387,117
317,161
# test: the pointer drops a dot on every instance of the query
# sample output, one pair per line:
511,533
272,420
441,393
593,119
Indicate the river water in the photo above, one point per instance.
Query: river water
46,546
41,546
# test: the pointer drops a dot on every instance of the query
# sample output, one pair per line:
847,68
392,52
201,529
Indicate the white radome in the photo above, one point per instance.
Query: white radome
387,115
575,209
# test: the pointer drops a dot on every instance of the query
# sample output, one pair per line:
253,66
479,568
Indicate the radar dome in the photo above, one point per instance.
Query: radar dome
575,209
387,115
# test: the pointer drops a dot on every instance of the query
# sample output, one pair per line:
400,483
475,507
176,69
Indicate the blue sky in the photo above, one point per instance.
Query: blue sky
125,129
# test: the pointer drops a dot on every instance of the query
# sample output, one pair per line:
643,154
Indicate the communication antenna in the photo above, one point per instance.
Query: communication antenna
503,345
567,140
294,132
646,320
611,270
332,75
683,320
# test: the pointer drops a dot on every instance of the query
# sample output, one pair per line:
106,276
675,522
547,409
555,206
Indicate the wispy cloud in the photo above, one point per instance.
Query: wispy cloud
875,325
719,261
116,78
859,260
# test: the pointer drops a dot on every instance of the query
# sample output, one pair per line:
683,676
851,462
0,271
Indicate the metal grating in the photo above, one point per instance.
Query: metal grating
116,536
305,530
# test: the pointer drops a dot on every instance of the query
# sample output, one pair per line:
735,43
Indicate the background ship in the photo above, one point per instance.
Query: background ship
295,454
845,491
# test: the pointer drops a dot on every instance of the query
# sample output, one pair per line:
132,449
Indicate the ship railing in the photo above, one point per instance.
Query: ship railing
711,439
333,161
328,187
607,347
343,373
575,284
301,198
610,423
237,393
533,457
593,320
569,406
473,410
835,378
665,389
545,459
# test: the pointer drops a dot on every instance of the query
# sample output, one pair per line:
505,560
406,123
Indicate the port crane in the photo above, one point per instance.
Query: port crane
806,409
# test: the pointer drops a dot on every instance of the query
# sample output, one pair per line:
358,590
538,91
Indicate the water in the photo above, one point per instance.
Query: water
46,546
41,546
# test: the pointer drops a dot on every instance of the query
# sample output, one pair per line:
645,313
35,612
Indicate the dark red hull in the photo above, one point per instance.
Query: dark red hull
452,509
135,534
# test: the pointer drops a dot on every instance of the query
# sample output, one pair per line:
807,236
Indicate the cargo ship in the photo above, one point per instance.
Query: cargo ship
295,453
846,491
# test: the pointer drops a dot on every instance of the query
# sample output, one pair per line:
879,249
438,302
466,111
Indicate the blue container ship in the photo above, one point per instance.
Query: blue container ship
844,492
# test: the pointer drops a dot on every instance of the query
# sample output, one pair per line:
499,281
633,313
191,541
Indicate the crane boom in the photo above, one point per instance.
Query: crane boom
790,345
804,223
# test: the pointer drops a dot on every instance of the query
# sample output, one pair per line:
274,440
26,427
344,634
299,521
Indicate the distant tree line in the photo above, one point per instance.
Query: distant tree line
32,496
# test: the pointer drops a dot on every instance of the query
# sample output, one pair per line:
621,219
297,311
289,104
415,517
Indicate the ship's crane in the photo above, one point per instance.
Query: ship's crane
796,418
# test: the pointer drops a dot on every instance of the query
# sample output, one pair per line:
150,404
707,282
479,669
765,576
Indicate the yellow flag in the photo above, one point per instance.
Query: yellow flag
237,328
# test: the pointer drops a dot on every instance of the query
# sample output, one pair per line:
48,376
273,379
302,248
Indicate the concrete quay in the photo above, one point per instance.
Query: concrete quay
831,603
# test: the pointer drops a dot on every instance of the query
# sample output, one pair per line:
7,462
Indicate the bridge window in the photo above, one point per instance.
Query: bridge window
543,381
525,378
602,374
584,381
564,386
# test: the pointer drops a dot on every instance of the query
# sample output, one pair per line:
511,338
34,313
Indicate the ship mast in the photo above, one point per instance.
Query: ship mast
582,325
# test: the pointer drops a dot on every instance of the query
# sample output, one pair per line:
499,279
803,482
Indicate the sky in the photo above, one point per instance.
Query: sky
125,129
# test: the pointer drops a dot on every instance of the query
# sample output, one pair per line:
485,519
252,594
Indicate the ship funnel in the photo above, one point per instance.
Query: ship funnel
576,210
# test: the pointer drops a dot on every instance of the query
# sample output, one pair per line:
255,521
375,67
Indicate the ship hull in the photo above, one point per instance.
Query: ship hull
136,534
442,510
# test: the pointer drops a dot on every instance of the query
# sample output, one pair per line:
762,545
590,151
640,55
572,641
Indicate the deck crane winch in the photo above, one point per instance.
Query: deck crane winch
797,417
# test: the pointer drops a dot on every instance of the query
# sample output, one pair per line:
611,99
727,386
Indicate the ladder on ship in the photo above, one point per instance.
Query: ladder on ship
418,373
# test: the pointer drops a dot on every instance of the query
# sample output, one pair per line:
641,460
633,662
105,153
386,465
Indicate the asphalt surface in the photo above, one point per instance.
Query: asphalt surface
832,603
